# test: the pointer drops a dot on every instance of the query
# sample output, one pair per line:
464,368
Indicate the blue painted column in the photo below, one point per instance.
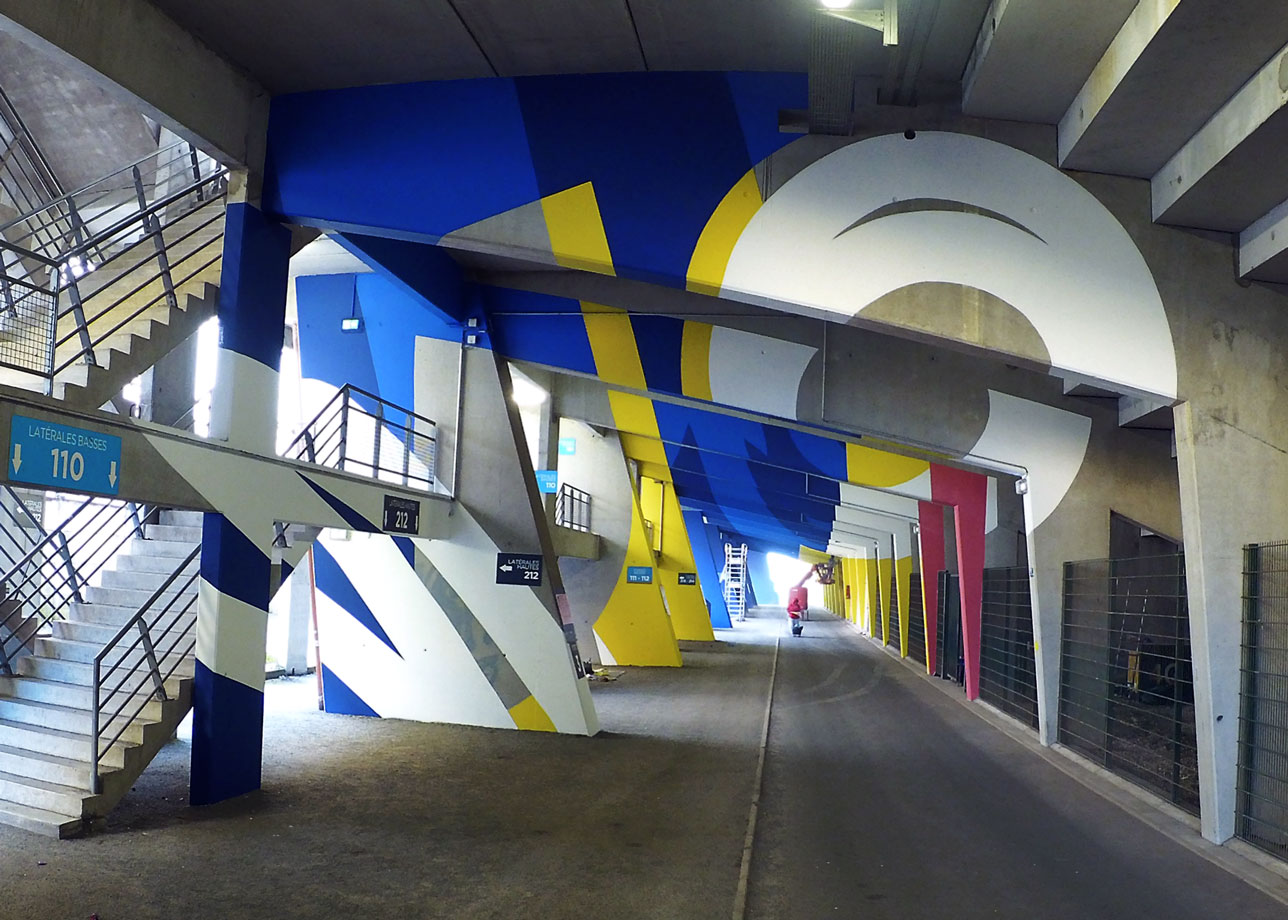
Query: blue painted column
228,692
758,569
708,571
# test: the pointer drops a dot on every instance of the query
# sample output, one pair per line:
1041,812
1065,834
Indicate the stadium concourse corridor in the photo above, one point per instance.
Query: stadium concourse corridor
884,797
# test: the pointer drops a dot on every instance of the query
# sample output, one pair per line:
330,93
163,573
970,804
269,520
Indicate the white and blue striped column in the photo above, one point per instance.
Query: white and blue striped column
228,692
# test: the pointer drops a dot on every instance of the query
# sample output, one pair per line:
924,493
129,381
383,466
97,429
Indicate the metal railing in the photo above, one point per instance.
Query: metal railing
26,178
358,432
572,508
1126,683
90,265
1263,719
132,668
47,579
1007,666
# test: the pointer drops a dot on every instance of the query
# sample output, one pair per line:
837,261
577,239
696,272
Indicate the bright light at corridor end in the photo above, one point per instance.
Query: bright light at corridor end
836,4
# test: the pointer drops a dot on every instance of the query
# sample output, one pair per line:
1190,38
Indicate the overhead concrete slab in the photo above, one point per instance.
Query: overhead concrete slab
1031,56
713,35
1170,68
573,36
1232,171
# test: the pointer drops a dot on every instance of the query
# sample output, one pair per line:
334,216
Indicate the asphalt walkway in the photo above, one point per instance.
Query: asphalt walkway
883,796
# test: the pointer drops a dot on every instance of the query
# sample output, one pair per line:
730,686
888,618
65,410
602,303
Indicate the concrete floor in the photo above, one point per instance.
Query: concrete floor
883,797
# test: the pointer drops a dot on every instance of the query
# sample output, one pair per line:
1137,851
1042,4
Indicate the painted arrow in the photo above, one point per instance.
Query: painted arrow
17,457
111,473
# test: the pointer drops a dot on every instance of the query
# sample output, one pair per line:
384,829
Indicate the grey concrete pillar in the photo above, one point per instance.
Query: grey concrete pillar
299,619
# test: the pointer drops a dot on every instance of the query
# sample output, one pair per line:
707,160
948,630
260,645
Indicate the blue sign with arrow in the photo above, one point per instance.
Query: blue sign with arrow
63,457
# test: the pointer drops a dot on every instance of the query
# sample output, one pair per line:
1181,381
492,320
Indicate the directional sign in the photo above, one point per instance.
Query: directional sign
548,481
63,457
402,515
518,569
687,578
639,574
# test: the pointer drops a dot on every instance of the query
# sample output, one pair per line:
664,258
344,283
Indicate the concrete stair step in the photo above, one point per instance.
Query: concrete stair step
73,650
131,580
80,721
39,821
175,548
177,518
144,563
42,794
46,691
65,771
135,597
81,674
177,533
68,745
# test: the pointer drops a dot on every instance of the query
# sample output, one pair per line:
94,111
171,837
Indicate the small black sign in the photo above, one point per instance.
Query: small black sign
518,569
402,515
688,578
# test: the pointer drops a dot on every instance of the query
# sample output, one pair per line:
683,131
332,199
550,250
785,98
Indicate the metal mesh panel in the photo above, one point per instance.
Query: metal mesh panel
26,326
1007,673
892,617
1126,684
916,623
1263,723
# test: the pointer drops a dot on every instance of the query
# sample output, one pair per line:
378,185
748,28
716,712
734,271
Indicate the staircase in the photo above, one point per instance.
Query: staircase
112,678
99,284
734,579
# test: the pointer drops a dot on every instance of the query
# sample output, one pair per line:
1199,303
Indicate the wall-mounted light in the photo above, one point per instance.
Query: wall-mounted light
837,4
352,322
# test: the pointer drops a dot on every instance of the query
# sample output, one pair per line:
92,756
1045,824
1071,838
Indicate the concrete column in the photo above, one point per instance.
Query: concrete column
704,558
1221,511
228,692
300,618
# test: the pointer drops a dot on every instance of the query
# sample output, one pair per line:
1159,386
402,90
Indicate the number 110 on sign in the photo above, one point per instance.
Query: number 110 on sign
72,464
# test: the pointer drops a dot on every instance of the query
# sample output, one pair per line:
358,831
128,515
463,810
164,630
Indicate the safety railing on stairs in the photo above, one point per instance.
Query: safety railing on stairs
84,270
27,181
572,508
358,432
132,668
41,586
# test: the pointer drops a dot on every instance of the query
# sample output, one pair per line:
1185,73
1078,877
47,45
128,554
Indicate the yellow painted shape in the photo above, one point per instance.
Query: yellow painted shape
634,625
634,414
903,587
867,466
576,229
651,491
695,360
689,617
612,343
926,612
812,556
715,244
529,716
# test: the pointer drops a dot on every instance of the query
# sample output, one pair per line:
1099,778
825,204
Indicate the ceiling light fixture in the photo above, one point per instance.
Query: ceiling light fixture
837,4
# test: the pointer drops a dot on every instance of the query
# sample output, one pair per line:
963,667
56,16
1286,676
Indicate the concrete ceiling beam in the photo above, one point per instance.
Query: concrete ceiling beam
1263,248
1231,172
1031,56
1171,66
133,50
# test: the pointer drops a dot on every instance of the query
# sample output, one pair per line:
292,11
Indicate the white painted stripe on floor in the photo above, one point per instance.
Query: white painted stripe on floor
740,897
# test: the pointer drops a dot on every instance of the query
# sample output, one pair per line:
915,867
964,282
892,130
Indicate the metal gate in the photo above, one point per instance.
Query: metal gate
1263,723
948,641
1007,673
1126,684
916,623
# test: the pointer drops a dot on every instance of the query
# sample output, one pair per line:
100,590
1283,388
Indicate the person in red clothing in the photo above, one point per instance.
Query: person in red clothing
795,607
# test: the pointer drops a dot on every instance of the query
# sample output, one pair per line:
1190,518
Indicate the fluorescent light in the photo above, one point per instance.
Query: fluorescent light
836,4
351,324
526,393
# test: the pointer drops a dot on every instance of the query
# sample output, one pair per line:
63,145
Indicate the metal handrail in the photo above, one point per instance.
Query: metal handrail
153,655
347,435
572,508
50,576
32,179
